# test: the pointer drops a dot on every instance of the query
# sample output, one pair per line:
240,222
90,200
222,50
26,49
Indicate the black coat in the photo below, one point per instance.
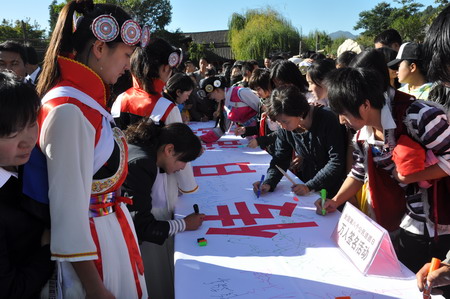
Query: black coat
25,265
141,176
322,149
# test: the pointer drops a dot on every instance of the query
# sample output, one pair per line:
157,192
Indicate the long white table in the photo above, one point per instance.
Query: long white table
274,246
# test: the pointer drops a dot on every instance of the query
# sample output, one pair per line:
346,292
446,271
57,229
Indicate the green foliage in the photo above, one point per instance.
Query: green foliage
154,13
20,31
376,20
408,28
407,19
54,9
196,51
157,14
320,38
332,49
260,32
365,40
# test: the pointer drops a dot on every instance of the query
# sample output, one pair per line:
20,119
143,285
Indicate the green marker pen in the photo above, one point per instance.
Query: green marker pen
323,195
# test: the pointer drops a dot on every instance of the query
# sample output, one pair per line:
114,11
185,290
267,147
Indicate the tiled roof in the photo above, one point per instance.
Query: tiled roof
207,37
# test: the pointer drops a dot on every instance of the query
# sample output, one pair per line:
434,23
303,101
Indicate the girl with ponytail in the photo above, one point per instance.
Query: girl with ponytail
155,153
81,157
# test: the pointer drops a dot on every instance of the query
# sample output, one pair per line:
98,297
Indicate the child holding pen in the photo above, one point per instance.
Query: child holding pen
236,104
154,153
314,133
265,128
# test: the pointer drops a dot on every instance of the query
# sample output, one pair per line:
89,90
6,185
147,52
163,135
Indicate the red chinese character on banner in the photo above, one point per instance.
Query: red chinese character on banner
249,218
201,131
246,216
224,144
258,230
222,169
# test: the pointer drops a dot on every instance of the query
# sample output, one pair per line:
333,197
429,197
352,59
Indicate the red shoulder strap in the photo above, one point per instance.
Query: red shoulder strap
94,117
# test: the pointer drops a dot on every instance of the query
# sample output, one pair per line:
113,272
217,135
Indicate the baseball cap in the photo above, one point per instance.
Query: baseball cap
408,50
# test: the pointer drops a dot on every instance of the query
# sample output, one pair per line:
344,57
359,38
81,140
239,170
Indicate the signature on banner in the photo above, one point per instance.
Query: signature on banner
249,219
224,144
222,169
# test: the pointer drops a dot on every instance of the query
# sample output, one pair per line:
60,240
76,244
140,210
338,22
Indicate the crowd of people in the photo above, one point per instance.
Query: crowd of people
95,150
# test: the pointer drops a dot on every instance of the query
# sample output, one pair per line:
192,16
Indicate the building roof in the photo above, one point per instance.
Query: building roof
219,40
207,37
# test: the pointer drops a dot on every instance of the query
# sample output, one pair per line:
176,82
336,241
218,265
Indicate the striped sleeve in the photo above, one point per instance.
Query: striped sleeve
176,226
358,172
430,125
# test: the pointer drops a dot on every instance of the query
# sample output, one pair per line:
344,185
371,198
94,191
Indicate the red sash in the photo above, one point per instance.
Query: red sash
388,198
240,112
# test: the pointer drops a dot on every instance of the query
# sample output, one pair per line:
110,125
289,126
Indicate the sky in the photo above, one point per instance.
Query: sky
201,15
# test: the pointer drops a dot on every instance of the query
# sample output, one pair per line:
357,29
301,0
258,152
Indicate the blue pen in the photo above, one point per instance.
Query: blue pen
259,188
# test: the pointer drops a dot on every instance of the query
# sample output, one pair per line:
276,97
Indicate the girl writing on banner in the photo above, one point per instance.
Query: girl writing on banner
151,68
236,104
154,153
265,128
314,133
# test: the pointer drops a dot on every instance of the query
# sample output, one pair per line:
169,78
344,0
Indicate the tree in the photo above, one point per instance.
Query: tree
332,49
316,40
157,14
407,19
259,32
154,13
408,28
54,9
196,51
20,30
376,20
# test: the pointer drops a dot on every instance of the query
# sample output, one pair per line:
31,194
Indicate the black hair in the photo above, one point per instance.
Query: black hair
373,60
307,54
349,88
287,100
260,78
204,58
317,56
15,47
287,72
65,41
345,58
210,72
145,62
178,82
420,66
214,82
318,69
247,67
32,57
388,38
436,48
187,145
235,79
254,63
389,55
19,104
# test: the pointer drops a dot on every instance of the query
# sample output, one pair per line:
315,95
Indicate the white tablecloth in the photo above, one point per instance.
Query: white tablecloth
264,261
